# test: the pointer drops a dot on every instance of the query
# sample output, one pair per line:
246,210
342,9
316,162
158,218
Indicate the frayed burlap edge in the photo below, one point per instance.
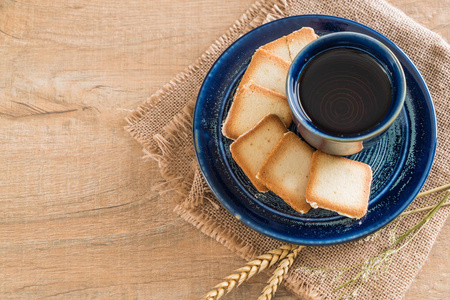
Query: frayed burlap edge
223,236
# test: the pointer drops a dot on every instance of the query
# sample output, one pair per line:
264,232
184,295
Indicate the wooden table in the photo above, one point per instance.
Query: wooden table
79,217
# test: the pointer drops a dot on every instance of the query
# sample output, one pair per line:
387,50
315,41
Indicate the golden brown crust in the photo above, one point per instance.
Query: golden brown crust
260,89
251,149
251,104
303,34
339,184
285,172
299,39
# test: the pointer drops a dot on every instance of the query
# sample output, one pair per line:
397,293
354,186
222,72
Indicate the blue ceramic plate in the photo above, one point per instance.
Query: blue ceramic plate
400,161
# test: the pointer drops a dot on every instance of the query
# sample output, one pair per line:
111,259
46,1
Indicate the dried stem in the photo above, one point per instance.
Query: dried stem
424,220
438,189
422,209
279,274
255,266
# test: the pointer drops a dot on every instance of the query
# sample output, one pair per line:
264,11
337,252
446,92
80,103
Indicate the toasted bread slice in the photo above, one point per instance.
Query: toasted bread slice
267,70
251,149
286,171
339,184
251,104
280,48
297,40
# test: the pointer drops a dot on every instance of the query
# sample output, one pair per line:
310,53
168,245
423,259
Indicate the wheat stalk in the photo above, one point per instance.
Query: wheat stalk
279,274
251,268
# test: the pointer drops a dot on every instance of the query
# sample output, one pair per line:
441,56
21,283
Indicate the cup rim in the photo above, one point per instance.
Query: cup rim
334,39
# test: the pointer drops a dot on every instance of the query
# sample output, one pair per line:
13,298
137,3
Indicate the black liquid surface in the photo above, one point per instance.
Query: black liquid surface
345,91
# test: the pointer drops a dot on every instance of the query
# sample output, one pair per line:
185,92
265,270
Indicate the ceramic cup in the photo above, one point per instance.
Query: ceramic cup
338,143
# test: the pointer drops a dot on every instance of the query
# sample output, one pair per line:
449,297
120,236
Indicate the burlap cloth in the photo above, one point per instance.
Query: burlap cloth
163,125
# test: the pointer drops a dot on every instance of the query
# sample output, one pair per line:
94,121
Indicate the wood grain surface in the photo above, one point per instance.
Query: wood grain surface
79,218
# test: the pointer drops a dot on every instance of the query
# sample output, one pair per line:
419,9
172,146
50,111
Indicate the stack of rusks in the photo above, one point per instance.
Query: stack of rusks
275,159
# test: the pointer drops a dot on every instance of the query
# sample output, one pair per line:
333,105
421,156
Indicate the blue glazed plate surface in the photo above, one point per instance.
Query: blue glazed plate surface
400,160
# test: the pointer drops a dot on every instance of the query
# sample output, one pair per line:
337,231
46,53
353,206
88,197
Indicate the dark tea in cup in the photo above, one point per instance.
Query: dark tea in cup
345,91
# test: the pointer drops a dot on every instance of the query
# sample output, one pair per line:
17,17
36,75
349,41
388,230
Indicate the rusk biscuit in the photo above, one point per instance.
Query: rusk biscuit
286,171
251,104
267,70
297,40
251,149
280,48
339,184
